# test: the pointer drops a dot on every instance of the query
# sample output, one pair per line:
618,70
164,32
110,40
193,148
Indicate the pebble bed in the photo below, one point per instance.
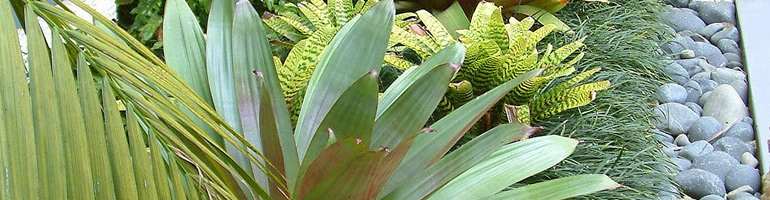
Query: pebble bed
703,119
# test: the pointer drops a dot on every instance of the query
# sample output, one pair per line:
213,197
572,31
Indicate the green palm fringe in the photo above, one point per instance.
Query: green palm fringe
616,130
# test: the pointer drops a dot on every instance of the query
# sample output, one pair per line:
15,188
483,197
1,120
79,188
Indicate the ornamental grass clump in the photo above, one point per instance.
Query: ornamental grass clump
61,123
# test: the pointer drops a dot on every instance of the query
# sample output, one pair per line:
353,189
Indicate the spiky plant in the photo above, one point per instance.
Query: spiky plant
67,132
498,52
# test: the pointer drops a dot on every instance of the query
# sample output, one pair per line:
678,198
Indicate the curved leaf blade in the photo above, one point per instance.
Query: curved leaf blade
561,188
336,71
429,148
409,112
458,161
508,165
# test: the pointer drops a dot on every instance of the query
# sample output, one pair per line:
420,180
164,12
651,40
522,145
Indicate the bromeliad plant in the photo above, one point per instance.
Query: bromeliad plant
61,125
499,52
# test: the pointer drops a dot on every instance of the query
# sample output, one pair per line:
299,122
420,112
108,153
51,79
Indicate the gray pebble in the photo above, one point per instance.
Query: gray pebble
709,30
742,196
712,197
701,77
704,128
741,175
661,136
728,33
678,3
707,85
696,149
742,88
713,12
731,57
677,73
687,54
681,140
695,36
683,164
748,120
733,146
674,118
727,76
728,46
669,152
725,105
698,183
671,93
712,53
693,91
706,66
716,162
734,65
749,160
677,44
694,107
741,130
703,99
683,20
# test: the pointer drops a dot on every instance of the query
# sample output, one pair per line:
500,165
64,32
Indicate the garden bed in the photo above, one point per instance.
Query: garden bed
703,112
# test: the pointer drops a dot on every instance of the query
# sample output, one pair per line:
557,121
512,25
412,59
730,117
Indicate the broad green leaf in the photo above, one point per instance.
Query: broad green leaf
268,133
45,112
453,19
429,148
89,101
251,49
73,128
185,51
508,165
561,188
20,159
348,170
120,156
458,161
437,30
409,112
542,16
219,66
351,116
363,37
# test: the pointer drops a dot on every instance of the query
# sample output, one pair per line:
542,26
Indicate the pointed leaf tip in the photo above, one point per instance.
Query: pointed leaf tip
358,140
373,73
427,130
456,66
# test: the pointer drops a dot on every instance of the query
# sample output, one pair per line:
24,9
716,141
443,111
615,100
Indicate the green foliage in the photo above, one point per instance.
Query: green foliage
348,144
498,52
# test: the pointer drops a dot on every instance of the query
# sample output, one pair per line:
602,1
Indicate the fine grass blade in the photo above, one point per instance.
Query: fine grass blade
89,101
429,148
45,112
363,37
185,51
409,112
19,149
506,166
458,161
251,53
73,128
561,188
